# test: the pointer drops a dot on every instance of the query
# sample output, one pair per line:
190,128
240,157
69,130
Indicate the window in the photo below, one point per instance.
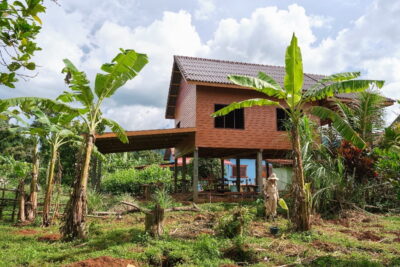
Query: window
282,120
233,120
243,171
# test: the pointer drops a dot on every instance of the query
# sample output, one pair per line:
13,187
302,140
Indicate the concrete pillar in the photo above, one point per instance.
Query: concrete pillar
259,181
196,174
238,174
184,170
176,175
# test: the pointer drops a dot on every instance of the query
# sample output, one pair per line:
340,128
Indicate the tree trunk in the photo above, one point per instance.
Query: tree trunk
74,218
34,190
154,221
58,188
21,202
301,214
49,189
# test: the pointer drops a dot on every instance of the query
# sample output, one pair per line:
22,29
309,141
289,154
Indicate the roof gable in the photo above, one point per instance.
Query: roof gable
215,72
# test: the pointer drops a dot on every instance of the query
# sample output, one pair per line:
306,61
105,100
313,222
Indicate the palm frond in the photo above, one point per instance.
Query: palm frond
343,128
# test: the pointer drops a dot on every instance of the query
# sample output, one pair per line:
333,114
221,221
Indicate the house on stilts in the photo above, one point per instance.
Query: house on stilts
253,138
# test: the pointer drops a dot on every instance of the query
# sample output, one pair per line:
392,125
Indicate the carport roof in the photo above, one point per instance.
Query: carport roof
143,140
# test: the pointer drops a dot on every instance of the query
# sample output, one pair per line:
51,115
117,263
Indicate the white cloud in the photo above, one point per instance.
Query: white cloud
206,8
139,117
263,37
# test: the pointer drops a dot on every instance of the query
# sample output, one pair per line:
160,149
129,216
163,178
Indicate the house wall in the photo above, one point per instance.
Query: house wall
185,111
260,131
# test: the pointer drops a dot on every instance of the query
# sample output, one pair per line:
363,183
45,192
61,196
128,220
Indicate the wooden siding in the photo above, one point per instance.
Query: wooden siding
186,105
260,130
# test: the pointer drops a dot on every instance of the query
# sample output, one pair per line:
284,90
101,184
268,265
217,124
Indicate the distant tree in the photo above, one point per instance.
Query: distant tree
125,66
19,25
292,99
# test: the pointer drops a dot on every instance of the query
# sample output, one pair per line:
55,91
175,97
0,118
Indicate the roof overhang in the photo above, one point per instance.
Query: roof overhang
144,140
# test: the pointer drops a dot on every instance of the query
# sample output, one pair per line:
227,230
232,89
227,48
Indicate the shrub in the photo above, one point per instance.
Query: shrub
94,201
234,224
206,247
131,180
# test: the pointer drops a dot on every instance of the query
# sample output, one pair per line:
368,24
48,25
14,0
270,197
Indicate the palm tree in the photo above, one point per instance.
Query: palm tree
364,115
125,66
292,99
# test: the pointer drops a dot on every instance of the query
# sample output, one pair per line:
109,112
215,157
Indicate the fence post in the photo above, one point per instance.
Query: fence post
15,205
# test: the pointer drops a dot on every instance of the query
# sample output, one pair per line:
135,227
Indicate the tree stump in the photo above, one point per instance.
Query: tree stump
154,221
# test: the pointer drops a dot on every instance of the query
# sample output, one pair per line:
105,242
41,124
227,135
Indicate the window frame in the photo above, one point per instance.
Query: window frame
279,121
231,115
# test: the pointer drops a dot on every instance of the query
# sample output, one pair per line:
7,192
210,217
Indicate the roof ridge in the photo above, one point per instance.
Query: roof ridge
239,63
227,61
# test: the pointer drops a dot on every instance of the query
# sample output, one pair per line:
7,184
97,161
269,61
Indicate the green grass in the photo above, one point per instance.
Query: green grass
191,242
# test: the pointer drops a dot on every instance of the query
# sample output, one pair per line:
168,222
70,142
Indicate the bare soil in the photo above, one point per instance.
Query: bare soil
26,232
50,238
104,261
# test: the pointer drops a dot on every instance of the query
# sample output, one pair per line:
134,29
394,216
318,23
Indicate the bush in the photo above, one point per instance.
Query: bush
131,180
234,224
94,201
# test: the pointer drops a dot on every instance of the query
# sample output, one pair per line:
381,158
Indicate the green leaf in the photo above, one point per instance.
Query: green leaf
78,83
244,104
343,128
33,103
293,80
117,129
265,77
351,86
37,19
30,66
125,66
337,77
282,204
258,84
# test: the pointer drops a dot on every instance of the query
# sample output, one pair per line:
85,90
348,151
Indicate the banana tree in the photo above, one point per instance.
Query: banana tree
124,67
55,130
293,99
31,107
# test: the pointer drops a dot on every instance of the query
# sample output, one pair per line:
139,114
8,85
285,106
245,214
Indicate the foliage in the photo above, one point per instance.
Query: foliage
162,198
293,102
14,169
235,223
359,163
126,160
18,29
131,180
95,201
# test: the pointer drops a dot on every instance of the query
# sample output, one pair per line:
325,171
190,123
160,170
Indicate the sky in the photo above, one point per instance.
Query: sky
335,36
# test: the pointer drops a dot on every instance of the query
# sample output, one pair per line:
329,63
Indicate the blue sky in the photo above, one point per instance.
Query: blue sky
335,36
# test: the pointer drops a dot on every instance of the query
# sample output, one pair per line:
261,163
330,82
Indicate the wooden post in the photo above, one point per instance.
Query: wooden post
2,203
196,174
259,181
222,174
184,170
238,174
15,205
176,175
